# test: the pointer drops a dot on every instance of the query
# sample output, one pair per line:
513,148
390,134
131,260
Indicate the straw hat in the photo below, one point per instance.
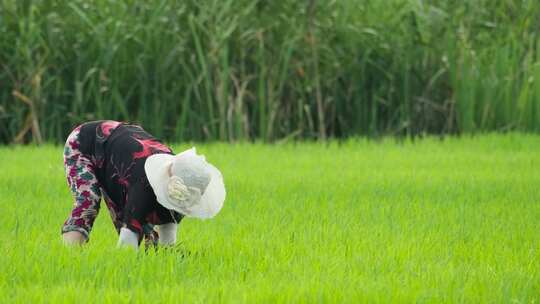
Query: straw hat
186,183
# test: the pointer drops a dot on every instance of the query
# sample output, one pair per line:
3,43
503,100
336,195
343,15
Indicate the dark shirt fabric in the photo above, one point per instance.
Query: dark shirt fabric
118,152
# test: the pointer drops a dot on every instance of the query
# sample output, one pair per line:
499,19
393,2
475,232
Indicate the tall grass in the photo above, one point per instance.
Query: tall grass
270,70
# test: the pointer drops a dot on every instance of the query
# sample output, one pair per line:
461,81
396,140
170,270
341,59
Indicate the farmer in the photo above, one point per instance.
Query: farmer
147,189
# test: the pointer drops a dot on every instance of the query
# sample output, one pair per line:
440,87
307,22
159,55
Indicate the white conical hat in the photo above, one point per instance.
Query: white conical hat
186,183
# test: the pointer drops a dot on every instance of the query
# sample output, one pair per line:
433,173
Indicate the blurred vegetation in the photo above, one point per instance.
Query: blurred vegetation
269,70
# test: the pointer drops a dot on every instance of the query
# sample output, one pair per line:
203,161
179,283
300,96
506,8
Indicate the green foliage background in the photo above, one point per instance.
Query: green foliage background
234,70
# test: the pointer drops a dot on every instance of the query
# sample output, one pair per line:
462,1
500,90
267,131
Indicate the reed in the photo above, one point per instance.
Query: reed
247,70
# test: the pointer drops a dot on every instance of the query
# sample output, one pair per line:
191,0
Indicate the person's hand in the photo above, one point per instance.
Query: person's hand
74,238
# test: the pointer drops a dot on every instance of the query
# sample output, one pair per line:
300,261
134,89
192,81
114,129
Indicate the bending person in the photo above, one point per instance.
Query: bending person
147,189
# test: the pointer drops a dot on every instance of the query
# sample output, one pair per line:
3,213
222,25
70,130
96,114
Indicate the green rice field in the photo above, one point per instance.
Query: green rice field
431,220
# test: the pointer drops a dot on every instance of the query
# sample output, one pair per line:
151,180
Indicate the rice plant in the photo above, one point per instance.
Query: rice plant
453,220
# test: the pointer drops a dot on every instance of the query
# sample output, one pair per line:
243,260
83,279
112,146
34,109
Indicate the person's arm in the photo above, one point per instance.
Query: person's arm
135,214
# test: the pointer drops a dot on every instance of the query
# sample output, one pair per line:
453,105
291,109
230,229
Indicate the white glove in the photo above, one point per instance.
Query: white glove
167,234
128,238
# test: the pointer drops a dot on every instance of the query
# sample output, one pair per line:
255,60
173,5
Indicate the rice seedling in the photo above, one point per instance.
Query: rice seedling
453,220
